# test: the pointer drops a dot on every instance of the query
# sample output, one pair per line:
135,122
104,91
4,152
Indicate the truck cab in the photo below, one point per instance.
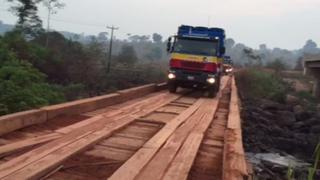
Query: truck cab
227,65
196,58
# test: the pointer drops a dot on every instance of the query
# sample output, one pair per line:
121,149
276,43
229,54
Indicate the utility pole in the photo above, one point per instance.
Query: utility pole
110,46
48,22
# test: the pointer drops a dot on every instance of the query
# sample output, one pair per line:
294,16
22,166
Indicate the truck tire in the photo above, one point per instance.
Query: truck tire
218,83
212,92
172,87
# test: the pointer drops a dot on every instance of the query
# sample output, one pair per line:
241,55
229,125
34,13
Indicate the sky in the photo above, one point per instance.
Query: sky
285,24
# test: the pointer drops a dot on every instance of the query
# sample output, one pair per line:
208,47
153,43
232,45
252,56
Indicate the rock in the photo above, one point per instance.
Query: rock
298,109
315,129
286,118
292,100
298,125
312,121
272,106
302,116
285,144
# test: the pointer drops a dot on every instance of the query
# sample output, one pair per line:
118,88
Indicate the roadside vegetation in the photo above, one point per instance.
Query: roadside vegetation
280,117
257,83
39,67
33,75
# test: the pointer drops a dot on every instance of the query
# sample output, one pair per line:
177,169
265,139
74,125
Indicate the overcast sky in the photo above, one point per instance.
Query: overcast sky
278,23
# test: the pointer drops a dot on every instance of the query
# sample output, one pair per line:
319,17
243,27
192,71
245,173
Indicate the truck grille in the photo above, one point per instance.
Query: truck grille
192,65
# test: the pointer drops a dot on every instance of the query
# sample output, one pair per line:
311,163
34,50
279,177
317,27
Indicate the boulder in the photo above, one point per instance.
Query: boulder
298,125
298,109
292,100
312,121
315,129
302,116
286,118
272,106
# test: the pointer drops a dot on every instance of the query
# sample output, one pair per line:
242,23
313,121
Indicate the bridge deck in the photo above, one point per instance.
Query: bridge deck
159,136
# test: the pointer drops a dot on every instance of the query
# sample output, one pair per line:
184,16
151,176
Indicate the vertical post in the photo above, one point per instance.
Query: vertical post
316,88
110,47
48,25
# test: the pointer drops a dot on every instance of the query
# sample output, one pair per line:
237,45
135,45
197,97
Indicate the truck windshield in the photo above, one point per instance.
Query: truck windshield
196,47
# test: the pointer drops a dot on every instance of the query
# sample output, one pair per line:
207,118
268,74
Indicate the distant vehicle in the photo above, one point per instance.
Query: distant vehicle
196,58
227,65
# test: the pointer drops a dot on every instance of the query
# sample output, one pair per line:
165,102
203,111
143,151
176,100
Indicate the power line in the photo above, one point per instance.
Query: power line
78,23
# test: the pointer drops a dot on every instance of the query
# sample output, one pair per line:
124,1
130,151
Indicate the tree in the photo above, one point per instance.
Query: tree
310,47
157,38
103,37
127,55
278,65
137,38
253,59
52,7
29,22
22,86
154,54
299,64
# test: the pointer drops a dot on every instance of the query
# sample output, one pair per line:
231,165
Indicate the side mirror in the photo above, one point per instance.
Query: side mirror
169,45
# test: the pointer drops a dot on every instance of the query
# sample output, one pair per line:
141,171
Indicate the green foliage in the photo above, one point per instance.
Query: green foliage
74,91
28,20
290,173
312,170
28,69
127,55
307,100
22,86
261,84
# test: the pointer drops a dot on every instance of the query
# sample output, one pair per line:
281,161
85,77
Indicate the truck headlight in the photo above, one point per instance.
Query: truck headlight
211,80
171,76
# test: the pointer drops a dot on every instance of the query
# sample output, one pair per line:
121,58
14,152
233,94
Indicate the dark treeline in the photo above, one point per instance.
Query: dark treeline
290,59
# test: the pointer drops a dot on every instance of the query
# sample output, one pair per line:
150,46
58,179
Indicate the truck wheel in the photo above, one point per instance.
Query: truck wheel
212,92
218,84
172,88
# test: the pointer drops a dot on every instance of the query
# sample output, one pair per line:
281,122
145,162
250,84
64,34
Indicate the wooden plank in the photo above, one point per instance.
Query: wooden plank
13,147
98,118
124,111
234,162
51,157
159,117
159,163
182,163
81,106
12,122
137,91
95,123
162,86
131,108
110,153
137,162
171,109
123,143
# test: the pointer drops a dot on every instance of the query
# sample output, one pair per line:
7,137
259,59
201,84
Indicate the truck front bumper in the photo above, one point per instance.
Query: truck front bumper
186,78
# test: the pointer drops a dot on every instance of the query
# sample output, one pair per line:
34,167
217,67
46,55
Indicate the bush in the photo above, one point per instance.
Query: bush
22,86
260,84
307,99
